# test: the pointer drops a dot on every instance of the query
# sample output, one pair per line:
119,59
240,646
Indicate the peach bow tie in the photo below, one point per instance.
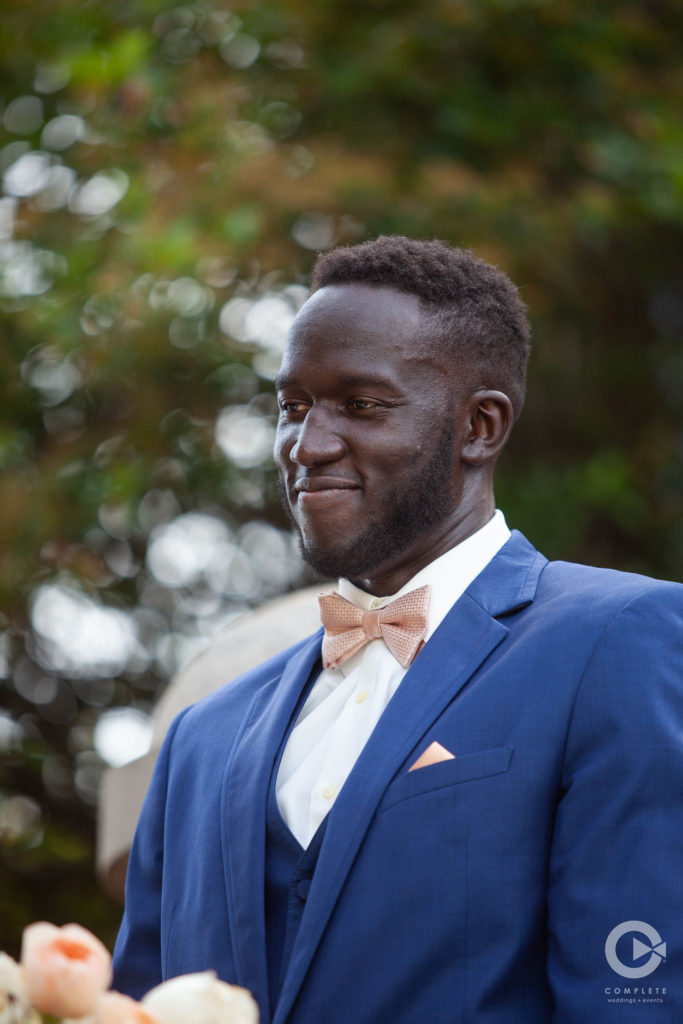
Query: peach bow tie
402,625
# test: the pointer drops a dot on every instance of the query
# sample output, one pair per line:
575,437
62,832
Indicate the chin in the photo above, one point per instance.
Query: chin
353,560
329,562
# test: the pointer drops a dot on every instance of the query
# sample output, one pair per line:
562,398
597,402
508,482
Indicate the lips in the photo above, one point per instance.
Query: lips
316,492
312,484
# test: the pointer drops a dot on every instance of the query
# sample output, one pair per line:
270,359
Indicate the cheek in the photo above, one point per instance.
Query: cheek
390,470
403,456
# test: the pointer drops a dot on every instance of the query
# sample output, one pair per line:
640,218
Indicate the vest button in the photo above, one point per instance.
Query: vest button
303,888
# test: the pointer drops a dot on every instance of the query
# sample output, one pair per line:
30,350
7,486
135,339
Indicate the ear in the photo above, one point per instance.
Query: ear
489,425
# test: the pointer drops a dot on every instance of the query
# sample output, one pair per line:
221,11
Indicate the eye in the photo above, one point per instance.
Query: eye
293,407
362,405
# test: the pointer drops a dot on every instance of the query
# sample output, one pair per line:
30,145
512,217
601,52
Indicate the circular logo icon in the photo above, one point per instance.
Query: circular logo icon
655,951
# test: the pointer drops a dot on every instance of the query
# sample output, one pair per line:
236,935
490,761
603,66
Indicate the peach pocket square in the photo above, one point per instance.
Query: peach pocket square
432,755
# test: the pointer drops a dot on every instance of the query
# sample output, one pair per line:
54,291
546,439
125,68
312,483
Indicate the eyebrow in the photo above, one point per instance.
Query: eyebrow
350,381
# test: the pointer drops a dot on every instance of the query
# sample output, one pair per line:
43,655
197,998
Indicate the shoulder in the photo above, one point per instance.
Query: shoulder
587,592
608,628
626,630
569,599
629,630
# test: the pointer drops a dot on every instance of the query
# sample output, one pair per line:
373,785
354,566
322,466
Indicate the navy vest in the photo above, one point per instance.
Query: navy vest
289,871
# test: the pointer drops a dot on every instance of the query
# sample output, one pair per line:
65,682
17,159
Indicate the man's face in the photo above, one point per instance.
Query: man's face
365,441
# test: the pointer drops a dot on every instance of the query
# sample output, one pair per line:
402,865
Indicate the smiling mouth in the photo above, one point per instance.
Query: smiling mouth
311,491
315,484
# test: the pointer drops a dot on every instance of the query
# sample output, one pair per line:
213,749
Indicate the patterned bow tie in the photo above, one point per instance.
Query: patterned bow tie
402,625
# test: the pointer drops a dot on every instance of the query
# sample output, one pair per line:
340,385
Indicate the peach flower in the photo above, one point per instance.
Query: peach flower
201,999
66,969
114,1008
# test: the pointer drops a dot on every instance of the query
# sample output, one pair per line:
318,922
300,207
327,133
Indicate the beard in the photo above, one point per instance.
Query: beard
408,511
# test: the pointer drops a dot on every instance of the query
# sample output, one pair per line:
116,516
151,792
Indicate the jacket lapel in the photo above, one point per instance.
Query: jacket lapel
243,809
464,639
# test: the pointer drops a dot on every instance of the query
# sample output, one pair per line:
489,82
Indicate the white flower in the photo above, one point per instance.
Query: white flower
115,1008
12,981
14,1004
202,999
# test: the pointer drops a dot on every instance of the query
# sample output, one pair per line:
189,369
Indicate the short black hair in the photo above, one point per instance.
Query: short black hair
478,310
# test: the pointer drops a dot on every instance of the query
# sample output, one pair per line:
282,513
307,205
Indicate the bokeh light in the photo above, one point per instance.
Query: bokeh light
77,635
122,735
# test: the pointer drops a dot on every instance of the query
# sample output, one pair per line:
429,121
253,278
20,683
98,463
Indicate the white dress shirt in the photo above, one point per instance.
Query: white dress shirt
345,703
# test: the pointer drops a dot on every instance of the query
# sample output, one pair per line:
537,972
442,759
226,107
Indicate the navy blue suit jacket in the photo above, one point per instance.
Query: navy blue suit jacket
481,889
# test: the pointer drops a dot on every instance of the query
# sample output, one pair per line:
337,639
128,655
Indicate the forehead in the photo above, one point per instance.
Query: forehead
363,324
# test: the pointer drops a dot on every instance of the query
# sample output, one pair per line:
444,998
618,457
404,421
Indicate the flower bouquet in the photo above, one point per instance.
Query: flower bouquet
64,976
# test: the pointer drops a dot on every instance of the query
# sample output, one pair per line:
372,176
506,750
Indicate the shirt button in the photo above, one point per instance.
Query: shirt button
303,888
360,697
329,791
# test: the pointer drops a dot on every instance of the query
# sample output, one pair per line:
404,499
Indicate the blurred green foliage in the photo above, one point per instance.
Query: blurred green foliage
162,164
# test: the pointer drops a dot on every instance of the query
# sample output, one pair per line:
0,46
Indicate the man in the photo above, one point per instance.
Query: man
472,808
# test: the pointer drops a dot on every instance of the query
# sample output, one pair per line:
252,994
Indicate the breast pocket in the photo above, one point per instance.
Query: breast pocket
462,768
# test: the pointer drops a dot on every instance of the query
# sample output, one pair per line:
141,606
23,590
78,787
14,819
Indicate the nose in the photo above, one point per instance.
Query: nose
316,441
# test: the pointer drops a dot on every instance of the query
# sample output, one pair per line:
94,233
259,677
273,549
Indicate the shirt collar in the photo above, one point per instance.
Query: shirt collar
449,575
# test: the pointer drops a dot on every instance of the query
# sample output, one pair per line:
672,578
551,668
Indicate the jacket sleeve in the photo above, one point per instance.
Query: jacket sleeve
138,951
615,884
